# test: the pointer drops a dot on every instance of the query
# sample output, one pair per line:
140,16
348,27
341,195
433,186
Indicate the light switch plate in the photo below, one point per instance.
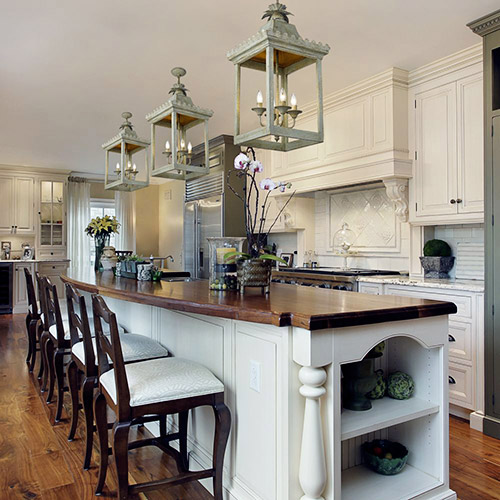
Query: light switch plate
255,375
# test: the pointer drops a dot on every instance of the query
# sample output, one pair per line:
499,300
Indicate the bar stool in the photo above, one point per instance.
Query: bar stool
82,369
156,387
32,321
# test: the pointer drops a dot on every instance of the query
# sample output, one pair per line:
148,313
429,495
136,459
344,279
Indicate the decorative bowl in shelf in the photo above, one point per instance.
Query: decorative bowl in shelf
384,456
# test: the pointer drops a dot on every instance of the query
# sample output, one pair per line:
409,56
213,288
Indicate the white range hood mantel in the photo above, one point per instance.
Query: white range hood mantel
366,141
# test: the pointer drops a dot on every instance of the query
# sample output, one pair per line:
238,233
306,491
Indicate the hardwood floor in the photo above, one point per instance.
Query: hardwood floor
37,461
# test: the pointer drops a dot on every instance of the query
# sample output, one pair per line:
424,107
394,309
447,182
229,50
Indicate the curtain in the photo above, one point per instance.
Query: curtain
78,219
125,213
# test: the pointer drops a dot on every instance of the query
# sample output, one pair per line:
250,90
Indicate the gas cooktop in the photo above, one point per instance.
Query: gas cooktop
337,271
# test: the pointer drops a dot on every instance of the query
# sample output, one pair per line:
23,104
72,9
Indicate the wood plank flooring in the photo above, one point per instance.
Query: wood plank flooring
37,461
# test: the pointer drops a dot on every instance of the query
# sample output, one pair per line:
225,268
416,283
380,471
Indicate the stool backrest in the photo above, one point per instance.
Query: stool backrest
51,309
79,327
111,346
30,289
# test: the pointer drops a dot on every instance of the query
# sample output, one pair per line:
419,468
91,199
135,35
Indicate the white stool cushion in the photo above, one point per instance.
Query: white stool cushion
135,347
67,336
165,379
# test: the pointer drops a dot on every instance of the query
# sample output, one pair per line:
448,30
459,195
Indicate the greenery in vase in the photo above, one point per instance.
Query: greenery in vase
255,198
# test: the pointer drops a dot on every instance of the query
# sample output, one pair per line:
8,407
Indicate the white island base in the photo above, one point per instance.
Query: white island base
290,437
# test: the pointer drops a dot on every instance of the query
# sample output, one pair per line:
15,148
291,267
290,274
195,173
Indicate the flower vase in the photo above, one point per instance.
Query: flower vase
100,243
254,273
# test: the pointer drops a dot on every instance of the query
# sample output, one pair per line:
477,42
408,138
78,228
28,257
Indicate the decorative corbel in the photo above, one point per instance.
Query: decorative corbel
397,192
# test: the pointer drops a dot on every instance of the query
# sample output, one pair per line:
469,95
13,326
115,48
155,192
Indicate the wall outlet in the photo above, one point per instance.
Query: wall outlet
255,375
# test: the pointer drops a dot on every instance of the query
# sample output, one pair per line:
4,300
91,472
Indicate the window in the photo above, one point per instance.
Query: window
100,208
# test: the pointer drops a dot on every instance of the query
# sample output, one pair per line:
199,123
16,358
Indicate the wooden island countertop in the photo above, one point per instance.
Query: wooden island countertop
286,305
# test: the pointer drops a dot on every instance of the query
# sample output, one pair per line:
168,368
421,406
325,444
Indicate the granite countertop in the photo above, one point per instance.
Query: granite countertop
34,261
449,284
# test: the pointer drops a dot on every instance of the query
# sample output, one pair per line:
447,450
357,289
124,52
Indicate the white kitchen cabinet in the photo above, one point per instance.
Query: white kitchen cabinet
17,195
447,186
20,297
53,270
371,288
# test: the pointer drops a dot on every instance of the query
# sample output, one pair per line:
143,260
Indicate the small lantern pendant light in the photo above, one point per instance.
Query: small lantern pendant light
126,144
179,114
278,50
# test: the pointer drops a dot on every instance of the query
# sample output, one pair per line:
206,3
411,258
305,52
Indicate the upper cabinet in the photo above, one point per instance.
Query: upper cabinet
17,195
446,131
52,214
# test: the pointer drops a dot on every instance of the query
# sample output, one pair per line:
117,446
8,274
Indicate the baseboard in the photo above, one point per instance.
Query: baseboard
476,421
458,411
491,426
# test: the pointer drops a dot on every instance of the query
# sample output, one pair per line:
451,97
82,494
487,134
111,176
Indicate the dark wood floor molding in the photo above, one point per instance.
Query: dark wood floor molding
37,461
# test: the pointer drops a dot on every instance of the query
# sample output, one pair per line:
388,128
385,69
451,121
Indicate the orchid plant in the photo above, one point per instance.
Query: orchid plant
255,198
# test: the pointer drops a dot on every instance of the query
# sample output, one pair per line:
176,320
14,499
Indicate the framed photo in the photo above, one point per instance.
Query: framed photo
27,253
6,245
288,257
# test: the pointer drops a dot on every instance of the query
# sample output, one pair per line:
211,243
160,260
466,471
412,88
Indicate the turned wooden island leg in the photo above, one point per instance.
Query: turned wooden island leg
312,469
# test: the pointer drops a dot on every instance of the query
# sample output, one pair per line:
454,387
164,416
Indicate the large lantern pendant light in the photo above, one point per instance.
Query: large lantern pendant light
175,160
278,50
124,148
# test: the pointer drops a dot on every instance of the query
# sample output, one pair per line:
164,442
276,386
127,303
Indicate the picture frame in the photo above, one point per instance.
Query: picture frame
27,253
288,257
6,244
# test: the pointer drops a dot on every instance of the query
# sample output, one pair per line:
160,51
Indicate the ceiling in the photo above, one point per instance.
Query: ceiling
69,69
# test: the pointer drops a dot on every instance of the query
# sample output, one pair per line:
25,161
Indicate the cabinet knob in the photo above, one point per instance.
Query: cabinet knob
452,201
451,338
459,200
451,380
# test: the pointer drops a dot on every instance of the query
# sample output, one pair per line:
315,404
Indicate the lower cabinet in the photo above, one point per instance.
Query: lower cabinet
53,271
465,341
20,297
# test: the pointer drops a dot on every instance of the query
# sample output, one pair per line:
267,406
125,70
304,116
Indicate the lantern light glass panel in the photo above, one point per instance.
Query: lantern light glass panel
127,159
172,152
278,51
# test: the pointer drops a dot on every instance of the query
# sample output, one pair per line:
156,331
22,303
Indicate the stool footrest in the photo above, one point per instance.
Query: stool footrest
171,481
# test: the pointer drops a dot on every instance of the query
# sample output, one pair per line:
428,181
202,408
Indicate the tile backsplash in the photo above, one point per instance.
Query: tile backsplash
16,242
457,236
382,241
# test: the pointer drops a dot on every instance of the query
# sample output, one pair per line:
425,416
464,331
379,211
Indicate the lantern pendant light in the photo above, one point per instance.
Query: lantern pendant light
180,115
125,144
278,50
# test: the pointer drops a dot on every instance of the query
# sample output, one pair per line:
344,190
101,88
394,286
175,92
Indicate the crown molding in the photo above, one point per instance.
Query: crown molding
32,169
454,62
486,24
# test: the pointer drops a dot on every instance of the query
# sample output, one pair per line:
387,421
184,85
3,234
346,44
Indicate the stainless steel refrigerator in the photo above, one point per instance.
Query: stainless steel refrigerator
210,208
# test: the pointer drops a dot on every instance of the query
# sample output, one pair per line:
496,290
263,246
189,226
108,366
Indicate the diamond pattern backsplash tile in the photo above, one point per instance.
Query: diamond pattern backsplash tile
370,215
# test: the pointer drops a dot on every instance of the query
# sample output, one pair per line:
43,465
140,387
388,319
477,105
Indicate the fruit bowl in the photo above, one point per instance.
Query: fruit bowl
385,457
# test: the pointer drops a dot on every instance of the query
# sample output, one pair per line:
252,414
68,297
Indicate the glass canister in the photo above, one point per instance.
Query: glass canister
222,276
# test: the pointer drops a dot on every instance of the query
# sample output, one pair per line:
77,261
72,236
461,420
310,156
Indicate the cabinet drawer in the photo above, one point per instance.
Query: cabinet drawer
371,288
48,253
52,268
463,302
460,340
460,385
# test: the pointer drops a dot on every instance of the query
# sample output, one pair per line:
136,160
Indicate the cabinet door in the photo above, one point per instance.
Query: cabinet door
470,145
20,293
435,142
7,210
24,217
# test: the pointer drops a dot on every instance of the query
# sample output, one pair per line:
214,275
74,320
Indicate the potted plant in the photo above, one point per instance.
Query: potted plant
101,229
254,265
437,261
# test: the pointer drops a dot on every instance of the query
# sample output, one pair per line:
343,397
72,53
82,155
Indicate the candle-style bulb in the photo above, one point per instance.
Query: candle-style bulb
117,167
190,147
282,96
293,101
167,146
260,98
134,168
183,144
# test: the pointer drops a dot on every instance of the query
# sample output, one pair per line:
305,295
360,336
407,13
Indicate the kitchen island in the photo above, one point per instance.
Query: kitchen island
280,359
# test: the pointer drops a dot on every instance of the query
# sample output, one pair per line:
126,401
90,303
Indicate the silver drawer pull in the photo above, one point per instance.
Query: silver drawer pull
451,338
451,380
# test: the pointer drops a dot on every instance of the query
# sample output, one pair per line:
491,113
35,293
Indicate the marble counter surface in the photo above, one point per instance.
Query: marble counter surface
448,284
34,261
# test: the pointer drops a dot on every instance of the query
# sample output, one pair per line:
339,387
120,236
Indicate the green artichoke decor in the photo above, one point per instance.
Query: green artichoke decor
379,390
400,385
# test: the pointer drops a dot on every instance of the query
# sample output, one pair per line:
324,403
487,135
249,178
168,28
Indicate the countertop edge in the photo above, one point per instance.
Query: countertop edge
458,285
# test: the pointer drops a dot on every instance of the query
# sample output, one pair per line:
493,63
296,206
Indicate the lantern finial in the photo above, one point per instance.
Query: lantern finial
126,124
178,88
277,11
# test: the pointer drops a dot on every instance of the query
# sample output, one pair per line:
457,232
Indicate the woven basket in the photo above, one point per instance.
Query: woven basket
254,273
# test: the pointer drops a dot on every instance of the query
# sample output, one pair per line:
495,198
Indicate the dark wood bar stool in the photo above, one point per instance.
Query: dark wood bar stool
157,388
55,344
33,322
82,369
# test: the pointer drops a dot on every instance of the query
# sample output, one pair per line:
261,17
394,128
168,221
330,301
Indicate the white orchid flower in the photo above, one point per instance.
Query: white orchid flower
267,184
255,166
241,161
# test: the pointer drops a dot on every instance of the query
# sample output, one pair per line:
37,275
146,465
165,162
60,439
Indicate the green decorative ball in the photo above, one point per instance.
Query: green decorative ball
379,390
437,248
379,348
400,386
